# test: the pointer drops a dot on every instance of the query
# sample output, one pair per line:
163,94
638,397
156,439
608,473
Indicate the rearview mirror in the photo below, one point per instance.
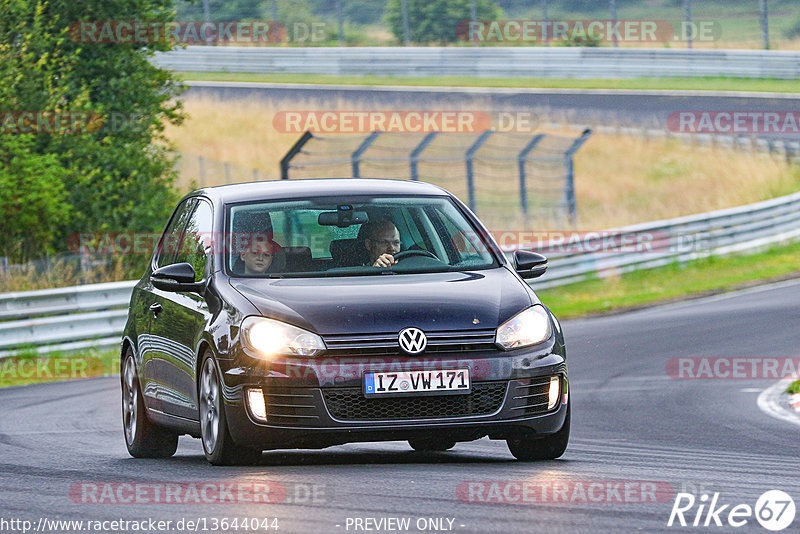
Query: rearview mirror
176,277
529,264
342,218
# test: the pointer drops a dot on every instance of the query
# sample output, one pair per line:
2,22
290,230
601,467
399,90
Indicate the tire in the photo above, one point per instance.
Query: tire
430,445
143,438
218,444
547,448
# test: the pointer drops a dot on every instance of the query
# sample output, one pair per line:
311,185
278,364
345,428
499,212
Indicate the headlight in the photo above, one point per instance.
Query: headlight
526,328
268,337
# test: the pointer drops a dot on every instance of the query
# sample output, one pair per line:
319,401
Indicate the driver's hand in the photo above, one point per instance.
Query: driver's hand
385,260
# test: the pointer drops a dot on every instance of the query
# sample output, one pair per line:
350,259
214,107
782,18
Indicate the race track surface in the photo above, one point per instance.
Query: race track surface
632,423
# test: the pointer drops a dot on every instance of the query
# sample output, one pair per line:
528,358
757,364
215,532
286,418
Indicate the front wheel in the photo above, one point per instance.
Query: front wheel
547,448
142,437
218,444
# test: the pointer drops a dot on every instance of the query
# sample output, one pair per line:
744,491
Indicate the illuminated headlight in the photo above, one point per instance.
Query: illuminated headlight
268,337
255,399
529,327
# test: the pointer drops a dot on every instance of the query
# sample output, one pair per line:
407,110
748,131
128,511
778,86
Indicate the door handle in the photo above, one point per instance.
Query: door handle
156,309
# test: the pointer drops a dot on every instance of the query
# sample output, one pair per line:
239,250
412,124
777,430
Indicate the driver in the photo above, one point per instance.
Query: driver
382,241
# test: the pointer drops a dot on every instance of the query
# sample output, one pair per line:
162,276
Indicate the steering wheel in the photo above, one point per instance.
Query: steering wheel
413,252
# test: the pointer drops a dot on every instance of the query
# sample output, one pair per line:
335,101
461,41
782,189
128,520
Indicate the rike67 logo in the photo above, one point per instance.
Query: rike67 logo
774,510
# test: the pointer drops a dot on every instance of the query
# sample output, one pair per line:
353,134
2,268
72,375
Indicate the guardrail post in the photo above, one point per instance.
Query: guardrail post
470,156
296,148
569,187
523,187
418,151
356,157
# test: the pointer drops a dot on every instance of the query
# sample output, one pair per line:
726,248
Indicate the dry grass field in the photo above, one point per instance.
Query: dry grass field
619,179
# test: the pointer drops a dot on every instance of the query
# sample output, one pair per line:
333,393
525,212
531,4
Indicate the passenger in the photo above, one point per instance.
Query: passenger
260,258
382,241
252,245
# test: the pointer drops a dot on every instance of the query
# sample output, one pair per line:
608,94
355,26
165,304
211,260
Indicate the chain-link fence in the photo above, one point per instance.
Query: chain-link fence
508,178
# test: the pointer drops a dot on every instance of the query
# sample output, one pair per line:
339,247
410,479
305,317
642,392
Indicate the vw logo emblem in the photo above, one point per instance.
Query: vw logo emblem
412,340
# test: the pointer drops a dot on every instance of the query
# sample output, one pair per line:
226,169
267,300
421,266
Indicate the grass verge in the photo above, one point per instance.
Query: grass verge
27,367
672,282
686,84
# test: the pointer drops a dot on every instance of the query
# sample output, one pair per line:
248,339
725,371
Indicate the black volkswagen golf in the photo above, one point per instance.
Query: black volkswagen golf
311,313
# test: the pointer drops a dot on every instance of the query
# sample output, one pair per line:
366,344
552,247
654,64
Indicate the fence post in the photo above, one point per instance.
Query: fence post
287,159
569,187
417,151
201,164
470,175
227,172
523,187
356,157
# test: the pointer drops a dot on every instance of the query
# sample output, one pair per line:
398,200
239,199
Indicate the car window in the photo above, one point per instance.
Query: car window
346,236
171,238
196,240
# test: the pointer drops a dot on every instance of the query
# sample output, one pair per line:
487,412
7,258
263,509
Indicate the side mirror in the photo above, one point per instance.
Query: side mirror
529,264
176,277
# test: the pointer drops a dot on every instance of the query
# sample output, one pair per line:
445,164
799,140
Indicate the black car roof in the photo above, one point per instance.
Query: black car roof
283,189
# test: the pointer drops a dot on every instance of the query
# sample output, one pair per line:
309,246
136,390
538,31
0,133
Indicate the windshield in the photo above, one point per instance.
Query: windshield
349,236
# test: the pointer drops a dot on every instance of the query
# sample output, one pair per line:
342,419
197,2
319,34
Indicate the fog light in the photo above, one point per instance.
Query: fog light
555,390
258,408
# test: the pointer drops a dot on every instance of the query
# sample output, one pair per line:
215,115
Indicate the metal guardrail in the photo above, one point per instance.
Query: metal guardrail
554,62
79,317
740,229
64,319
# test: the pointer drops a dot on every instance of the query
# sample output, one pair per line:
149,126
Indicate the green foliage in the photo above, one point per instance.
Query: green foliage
32,199
119,177
794,387
435,21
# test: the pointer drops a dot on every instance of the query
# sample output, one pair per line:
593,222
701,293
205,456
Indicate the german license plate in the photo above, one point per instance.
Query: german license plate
439,382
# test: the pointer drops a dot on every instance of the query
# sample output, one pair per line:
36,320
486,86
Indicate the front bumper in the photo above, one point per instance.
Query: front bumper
314,403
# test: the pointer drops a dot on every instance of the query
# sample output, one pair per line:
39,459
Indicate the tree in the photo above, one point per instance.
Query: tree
121,176
435,21
32,199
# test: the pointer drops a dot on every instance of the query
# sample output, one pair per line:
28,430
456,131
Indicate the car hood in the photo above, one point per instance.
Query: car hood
474,300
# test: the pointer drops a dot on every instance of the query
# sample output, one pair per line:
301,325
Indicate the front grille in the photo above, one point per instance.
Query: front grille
349,404
530,396
387,344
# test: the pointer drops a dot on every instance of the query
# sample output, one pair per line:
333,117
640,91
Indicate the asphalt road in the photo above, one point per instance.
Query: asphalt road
649,109
631,422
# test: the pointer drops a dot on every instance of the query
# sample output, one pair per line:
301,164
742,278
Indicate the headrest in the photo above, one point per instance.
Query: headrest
253,222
